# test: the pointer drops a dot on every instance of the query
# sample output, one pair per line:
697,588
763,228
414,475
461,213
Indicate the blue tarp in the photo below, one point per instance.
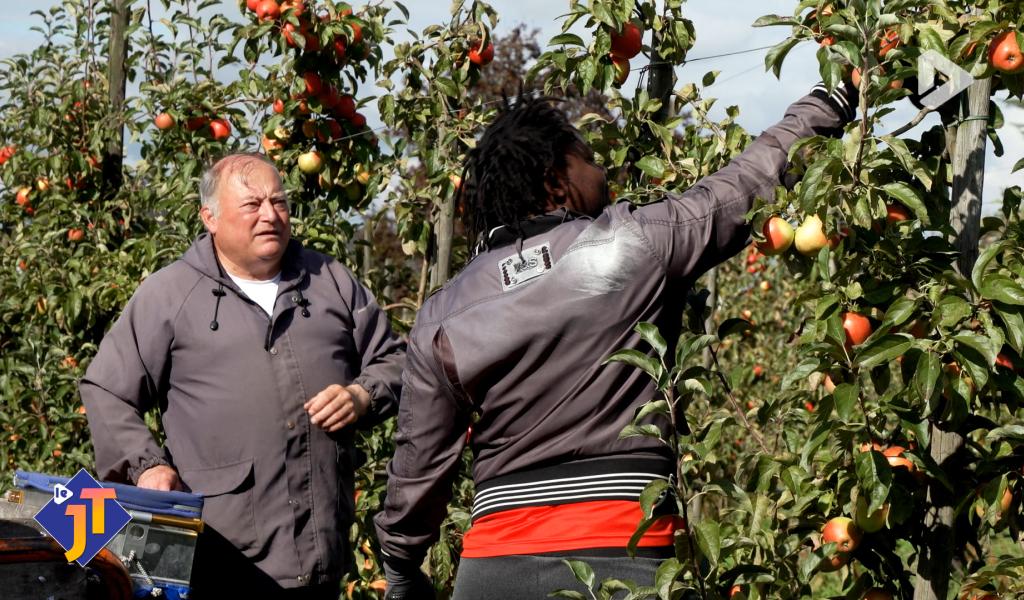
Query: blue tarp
181,504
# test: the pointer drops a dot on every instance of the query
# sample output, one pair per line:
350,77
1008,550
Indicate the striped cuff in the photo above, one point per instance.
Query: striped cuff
843,99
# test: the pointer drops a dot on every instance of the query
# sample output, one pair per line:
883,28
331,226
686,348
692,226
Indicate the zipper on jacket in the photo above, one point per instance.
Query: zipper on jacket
270,331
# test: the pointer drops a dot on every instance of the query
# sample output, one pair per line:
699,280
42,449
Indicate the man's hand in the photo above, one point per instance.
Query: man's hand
160,477
405,581
337,406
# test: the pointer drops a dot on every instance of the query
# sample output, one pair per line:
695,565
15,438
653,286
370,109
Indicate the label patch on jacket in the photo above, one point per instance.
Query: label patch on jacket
515,271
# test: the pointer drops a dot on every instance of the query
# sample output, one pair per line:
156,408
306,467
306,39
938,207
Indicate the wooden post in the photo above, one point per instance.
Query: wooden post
935,564
113,153
709,323
444,229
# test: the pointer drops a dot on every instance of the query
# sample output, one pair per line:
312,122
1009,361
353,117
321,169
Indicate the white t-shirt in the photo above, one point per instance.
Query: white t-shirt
263,293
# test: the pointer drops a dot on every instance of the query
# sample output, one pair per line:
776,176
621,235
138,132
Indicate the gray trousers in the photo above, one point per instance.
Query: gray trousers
523,577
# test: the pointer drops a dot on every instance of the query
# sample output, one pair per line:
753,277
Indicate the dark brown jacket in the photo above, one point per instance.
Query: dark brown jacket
527,354
278,488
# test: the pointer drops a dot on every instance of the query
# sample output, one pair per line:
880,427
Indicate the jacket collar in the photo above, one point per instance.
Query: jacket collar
202,256
504,235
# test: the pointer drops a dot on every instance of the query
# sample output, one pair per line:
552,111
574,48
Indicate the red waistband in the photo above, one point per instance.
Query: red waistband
577,526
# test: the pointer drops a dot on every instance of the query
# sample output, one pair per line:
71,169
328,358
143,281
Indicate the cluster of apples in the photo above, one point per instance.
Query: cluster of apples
626,44
779,235
217,128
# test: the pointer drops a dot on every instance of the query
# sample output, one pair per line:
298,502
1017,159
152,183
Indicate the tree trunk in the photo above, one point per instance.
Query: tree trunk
113,154
935,564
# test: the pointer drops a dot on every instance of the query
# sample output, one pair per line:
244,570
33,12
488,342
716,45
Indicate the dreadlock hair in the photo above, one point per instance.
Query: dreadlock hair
504,177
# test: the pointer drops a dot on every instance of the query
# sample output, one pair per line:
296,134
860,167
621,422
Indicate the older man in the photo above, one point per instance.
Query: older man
260,355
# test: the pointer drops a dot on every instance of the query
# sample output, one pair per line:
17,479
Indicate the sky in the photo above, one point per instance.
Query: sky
722,26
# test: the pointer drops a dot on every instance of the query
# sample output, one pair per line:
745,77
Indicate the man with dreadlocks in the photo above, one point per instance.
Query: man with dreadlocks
516,344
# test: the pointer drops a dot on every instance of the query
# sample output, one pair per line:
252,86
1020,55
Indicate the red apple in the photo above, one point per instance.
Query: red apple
628,42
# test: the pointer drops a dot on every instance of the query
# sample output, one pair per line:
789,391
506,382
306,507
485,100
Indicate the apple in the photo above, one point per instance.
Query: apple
829,383
778,234
42,184
163,121
758,371
309,129
894,456
358,121
75,234
268,10
823,40
289,30
6,153
220,129
346,107
313,84
253,5
846,535
455,180
298,7
628,42
310,162
890,40
810,236
1004,54
896,212
22,197
279,106
765,286
857,328
362,175
855,78
357,37
870,522
479,57
339,48
196,123
621,66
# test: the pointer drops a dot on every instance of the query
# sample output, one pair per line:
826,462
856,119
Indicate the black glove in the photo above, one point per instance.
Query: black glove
844,98
406,581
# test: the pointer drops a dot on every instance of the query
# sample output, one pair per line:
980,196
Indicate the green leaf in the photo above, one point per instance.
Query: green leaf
650,334
653,495
584,574
709,538
647,430
570,39
899,311
981,344
666,576
777,54
874,476
1013,433
927,374
1002,288
652,166
1013,324
846,395
733,326
802,371
982,264
883,350
909,197
770,20
638,359
657,407
952,310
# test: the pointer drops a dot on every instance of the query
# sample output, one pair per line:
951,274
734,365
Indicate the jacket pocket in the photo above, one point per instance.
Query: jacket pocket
228,505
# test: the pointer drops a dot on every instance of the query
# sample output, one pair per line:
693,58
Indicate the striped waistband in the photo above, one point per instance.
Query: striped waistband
567,483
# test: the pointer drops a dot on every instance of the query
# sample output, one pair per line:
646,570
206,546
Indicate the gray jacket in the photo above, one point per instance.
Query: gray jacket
524,348
231,395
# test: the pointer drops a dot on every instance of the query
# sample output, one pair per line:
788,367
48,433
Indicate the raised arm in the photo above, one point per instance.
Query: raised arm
706,225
